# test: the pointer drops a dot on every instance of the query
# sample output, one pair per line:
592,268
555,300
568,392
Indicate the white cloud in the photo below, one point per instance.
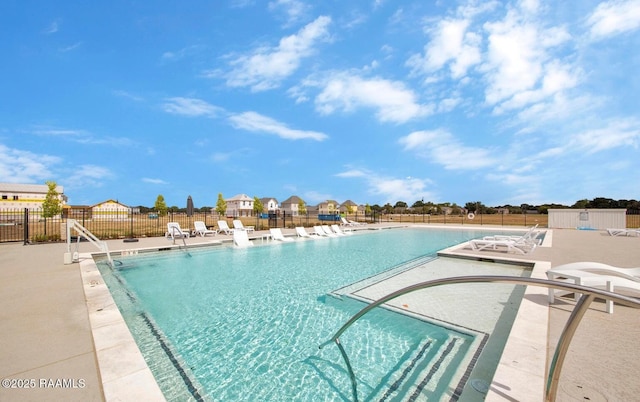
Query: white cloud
621,133
153,181
294,9
352,173
83,137
520,67
451,44
18,166
391,189
191,107
392,101
255,122
613,18
266,67
88,176
442,148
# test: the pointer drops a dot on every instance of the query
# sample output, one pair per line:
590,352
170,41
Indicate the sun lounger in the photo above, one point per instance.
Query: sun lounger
201,229
327,230
237,224
632,274
530,235
241,239
174,231
223,226
623,232
339,231
318,231
510,245
302,232
276,234
612,283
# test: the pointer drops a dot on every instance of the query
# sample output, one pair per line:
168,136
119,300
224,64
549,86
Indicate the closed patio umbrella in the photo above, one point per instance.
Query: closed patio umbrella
189,206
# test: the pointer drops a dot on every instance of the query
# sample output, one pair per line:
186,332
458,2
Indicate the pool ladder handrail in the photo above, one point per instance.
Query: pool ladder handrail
588,296
84,232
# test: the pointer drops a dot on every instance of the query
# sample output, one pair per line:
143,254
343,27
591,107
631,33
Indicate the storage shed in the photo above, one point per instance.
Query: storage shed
587,218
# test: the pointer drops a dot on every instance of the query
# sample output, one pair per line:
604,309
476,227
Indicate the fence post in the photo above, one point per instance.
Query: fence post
25,224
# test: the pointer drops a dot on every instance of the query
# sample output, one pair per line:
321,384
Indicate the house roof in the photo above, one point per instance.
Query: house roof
294,199
349,203
267,199
28,188
240,197
112,201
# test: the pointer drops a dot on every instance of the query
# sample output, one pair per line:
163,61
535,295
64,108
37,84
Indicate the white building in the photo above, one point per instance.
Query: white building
16,197
239,205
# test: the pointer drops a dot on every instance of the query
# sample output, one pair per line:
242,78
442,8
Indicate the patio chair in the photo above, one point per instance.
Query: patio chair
201,229
327,231
174,231
237,224
623,232
241,239
276,234
598,268
302,232
339,231
519,246
223,226
611,283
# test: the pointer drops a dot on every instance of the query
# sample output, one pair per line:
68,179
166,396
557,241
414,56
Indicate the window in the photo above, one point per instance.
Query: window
15,198
4,197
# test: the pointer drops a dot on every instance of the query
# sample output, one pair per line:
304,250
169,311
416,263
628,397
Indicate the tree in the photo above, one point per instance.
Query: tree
51,204
221,205
258,208
160,205
367,210
302,208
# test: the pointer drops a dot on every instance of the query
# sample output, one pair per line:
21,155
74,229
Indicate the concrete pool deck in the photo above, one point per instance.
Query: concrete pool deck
47,337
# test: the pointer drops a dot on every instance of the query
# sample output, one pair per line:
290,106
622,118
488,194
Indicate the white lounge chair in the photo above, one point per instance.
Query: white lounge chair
346,222
201,229
327,230
302,232
276,234
339,231
530,235
174,231
623,232
241,239
632,274
237,224
612,283
318,231
519,246
223,226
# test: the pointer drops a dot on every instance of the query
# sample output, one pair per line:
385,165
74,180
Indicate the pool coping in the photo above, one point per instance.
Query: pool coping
125,375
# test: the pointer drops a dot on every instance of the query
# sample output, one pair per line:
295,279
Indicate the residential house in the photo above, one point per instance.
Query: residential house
329,207
110,209
270,205
290,205
239,205
348,207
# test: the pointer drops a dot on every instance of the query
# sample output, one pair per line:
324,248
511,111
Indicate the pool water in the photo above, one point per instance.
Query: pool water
245,324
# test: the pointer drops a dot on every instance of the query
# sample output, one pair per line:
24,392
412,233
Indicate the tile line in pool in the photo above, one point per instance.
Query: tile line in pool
164,345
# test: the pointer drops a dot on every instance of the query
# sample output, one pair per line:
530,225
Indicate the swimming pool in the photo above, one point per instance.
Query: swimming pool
229,324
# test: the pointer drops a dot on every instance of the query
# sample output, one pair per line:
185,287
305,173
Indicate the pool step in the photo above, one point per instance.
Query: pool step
395,270
420,377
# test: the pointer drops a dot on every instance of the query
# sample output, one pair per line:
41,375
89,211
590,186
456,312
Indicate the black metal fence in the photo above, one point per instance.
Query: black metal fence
29,226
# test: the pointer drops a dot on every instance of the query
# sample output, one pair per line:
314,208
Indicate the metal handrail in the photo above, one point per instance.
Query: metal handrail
588,295
84,232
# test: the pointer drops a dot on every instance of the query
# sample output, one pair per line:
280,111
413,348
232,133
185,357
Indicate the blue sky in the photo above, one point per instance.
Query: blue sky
502,102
